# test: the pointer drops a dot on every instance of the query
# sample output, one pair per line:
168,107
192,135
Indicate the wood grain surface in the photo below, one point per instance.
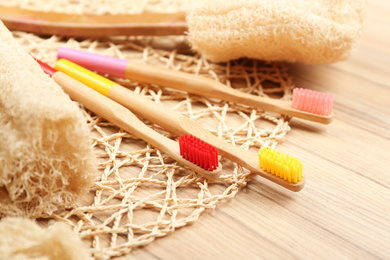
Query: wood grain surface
344,210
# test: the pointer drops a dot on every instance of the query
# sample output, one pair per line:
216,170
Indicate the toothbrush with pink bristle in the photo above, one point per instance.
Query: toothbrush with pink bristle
306,104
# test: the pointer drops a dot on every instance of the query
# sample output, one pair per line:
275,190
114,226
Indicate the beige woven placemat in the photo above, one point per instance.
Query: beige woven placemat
142,194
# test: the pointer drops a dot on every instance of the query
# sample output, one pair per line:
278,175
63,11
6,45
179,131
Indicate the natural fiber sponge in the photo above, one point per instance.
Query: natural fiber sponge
46,158
23,239
306,31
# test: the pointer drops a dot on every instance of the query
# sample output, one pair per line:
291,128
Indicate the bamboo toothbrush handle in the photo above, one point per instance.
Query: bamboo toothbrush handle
106,108
126,120
147,109
170,120
176,123
183,81
170,78
207,87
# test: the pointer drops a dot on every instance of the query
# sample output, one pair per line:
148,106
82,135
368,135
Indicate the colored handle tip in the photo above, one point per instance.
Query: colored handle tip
85,76
46,68
95,62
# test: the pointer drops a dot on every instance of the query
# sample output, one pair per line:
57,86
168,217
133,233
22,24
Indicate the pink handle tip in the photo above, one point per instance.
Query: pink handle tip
95,62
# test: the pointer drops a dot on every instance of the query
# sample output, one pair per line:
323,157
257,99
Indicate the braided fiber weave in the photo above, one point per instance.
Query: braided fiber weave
142,194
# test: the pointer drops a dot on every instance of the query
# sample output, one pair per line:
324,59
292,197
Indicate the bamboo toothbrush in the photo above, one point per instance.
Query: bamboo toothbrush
306,104
290,177
86,25
190,151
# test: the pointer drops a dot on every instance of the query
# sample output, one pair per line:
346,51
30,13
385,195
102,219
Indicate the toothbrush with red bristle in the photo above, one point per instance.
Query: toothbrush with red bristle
179,124
306,104
189,151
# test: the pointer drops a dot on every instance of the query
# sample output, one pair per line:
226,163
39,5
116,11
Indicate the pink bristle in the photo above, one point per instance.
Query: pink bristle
198,152
309,102
326,109
322,103
304,98
295,100
316,104
330,105
312,101
297,97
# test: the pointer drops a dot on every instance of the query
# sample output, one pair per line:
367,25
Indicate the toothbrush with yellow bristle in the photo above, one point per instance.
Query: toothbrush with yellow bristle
306,104
176,123
281,165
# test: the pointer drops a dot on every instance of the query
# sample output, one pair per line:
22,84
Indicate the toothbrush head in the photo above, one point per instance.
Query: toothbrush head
312,101
198,152
281,165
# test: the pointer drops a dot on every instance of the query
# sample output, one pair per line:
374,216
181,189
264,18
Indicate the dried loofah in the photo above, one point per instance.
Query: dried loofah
24,239
276,30
46,159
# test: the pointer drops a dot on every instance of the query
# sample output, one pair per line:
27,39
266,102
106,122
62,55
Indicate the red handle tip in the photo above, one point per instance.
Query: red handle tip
46,68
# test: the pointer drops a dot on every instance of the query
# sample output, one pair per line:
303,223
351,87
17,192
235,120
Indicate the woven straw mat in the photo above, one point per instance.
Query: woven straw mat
142,194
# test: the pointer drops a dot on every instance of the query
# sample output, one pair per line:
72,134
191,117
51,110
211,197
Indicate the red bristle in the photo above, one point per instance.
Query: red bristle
210,158
201,159
181,146
312,101
198,152
213,160
215,156
190,151
185,149
209,162
197,155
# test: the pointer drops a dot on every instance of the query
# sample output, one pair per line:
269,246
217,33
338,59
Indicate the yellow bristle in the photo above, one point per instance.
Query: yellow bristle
281,165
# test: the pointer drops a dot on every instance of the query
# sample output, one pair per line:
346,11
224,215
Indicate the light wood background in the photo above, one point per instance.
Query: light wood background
344,210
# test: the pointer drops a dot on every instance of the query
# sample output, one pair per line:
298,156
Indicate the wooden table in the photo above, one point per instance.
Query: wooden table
344,210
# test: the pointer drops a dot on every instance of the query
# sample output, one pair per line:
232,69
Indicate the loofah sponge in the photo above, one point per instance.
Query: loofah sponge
24,239
46,159
305,31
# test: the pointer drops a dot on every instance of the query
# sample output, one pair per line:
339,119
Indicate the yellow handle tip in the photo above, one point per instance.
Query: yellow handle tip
85,76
